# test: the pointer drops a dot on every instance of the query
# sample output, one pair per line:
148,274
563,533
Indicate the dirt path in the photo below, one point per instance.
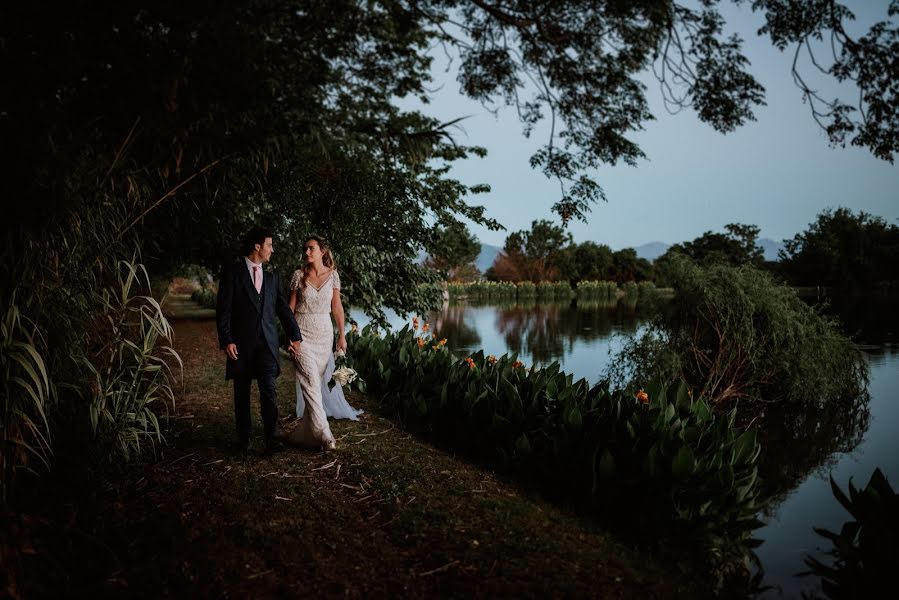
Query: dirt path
386,515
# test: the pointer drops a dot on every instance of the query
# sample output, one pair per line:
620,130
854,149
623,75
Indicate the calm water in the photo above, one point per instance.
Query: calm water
801,453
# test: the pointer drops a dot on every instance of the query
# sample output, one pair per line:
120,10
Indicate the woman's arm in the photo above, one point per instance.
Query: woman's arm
292,303
337,311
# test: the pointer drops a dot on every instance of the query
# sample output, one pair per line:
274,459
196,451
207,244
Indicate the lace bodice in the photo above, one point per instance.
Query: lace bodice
312,300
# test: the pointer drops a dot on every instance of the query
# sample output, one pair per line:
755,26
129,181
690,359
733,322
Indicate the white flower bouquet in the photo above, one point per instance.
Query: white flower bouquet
344,374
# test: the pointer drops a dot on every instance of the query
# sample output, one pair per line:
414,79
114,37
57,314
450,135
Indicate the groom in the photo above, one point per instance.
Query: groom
249,300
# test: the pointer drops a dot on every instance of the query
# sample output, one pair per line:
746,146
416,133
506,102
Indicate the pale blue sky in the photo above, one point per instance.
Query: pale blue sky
777,172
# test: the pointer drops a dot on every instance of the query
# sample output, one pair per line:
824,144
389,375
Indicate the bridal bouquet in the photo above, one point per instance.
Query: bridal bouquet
344,374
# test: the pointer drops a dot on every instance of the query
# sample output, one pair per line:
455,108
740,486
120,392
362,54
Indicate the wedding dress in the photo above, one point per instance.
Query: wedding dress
333,400
313,314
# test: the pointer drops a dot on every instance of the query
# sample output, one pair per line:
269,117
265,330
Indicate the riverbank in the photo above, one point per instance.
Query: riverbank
386,515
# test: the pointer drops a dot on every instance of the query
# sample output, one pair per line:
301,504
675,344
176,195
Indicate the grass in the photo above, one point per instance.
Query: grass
386,515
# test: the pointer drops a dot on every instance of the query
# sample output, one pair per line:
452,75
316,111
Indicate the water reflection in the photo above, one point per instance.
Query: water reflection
450,323
544,332
799,443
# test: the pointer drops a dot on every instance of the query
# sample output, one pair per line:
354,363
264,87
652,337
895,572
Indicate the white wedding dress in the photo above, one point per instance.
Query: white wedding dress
334,400
315,402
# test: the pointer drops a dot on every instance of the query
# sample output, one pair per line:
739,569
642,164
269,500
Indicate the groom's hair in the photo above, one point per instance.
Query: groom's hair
254,236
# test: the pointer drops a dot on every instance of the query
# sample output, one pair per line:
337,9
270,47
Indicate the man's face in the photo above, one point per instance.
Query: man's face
265,250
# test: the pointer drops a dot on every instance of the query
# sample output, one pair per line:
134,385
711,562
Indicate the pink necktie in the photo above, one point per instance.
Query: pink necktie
256,280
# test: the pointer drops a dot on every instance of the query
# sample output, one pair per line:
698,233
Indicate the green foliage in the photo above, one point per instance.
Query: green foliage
588,261
864,551
455,248
736,247
858,252
659,469
732,332
532,255
130,374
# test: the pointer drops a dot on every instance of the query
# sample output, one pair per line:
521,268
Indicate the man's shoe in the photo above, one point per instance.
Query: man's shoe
272,446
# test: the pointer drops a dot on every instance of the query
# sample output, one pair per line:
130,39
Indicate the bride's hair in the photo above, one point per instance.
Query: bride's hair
327,257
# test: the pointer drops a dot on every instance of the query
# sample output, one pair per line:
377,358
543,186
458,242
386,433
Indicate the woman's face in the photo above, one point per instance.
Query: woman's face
313,251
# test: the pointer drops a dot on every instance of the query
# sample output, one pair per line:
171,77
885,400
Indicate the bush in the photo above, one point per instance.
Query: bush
732,332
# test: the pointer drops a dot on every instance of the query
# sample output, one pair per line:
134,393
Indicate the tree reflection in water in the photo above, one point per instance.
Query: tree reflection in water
804,440
548,331
450,323
799,442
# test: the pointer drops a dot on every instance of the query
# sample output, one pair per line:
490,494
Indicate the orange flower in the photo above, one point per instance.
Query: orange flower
517,364
642,396
442,342
491,359
421,342
470,362
435,347
414,323
425,328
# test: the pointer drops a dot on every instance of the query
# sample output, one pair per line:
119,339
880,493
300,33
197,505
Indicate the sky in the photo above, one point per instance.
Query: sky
777,172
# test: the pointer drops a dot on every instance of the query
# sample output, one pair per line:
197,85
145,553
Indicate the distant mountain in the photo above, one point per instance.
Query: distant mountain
485,259
771,248
483,262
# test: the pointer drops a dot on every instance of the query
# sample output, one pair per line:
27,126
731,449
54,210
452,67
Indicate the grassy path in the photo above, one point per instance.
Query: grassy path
386,515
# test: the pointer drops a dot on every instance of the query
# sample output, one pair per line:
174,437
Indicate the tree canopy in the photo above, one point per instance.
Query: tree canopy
845,250
192,121
455,250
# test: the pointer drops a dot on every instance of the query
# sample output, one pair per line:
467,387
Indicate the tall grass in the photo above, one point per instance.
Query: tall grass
85,344
27,396
130,374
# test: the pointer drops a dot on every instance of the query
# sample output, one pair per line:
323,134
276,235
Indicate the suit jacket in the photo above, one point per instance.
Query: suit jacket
242,316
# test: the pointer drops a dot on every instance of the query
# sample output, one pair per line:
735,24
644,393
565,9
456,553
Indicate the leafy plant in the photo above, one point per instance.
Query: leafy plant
130,373
864,554
26,395
654,463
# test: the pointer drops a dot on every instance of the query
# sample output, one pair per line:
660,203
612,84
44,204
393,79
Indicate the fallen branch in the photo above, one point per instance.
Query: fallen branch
445,567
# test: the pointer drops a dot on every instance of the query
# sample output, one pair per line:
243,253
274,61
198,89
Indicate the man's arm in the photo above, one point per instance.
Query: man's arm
285,315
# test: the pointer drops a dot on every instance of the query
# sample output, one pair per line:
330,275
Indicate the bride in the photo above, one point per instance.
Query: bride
314,296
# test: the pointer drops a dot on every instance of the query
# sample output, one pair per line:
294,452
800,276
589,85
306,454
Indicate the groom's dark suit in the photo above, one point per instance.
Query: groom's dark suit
248,319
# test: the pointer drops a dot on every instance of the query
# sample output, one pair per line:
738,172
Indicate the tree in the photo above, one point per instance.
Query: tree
534,255
844,250
588,261
455,250
736,247
627,266
190,128
579,62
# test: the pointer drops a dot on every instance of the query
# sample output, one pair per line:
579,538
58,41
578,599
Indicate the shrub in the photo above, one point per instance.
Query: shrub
732,332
